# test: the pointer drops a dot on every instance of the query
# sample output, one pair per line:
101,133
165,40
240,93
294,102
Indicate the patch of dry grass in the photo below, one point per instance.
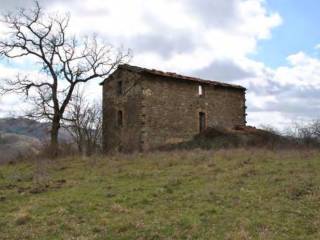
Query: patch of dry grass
225,194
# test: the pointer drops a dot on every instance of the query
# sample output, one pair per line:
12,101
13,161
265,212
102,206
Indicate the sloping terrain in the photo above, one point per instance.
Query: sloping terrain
225,194
22,138
217,138
24,126
30,128
14,147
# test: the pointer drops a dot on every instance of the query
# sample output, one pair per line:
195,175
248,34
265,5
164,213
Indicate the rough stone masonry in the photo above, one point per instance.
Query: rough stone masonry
144,109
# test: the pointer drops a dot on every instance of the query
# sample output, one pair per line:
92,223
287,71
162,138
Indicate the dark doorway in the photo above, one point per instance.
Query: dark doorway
202,121
119,88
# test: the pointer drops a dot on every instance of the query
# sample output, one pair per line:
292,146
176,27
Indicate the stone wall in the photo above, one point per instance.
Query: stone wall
128,137
171,109
160,110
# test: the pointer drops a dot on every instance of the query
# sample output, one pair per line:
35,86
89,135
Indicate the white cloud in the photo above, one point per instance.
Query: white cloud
121,20
257,22
270,118
248,21
260,101
288,93
303,72
206,37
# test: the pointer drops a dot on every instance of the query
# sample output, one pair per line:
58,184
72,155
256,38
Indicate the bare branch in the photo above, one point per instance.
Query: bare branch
85,124
64,61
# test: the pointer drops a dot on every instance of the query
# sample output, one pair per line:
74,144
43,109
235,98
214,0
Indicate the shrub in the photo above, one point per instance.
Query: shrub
217,138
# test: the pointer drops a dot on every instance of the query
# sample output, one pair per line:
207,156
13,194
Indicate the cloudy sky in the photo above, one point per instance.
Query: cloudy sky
272,47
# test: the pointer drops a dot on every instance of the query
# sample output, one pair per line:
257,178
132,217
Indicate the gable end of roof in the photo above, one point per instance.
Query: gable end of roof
174,76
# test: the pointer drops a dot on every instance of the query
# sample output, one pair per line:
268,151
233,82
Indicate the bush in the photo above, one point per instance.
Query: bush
217,138
307,134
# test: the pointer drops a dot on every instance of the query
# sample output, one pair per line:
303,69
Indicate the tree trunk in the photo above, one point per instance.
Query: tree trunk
89,148
80,144
54,143
80,147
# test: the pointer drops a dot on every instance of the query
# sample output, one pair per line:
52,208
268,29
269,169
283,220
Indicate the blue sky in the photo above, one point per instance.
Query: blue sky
299,31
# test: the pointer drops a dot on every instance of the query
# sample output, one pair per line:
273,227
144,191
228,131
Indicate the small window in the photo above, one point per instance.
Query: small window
202,121
120,119
201,90
119,88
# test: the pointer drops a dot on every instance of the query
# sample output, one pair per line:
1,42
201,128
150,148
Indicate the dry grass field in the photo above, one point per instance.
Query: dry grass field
225,194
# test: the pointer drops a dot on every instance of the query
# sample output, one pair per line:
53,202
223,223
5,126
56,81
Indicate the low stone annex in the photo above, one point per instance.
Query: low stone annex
144,109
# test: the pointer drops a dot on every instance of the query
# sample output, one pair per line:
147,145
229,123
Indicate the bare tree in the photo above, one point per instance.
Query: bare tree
1,138
316,129
85,124
306,133
63,61
270,128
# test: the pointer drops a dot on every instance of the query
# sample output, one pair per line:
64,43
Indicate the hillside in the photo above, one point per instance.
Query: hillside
24,126
30,128
237,137
234,194
18,147
21,138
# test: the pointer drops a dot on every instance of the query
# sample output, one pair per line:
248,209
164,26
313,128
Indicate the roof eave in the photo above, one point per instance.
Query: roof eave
174,76
102,83
199,81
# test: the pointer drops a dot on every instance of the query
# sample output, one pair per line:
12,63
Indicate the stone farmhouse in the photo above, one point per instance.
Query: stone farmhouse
145,109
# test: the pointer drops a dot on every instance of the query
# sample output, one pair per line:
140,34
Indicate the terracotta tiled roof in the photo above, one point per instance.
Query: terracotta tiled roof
177,76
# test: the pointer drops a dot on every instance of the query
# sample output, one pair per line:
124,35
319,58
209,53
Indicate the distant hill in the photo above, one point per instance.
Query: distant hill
30,128
26,127
22,137
17,147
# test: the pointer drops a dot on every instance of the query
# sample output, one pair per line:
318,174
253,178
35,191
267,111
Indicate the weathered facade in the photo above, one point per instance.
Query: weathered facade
144,109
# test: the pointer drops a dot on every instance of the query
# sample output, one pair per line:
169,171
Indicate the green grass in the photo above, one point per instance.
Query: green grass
229,194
